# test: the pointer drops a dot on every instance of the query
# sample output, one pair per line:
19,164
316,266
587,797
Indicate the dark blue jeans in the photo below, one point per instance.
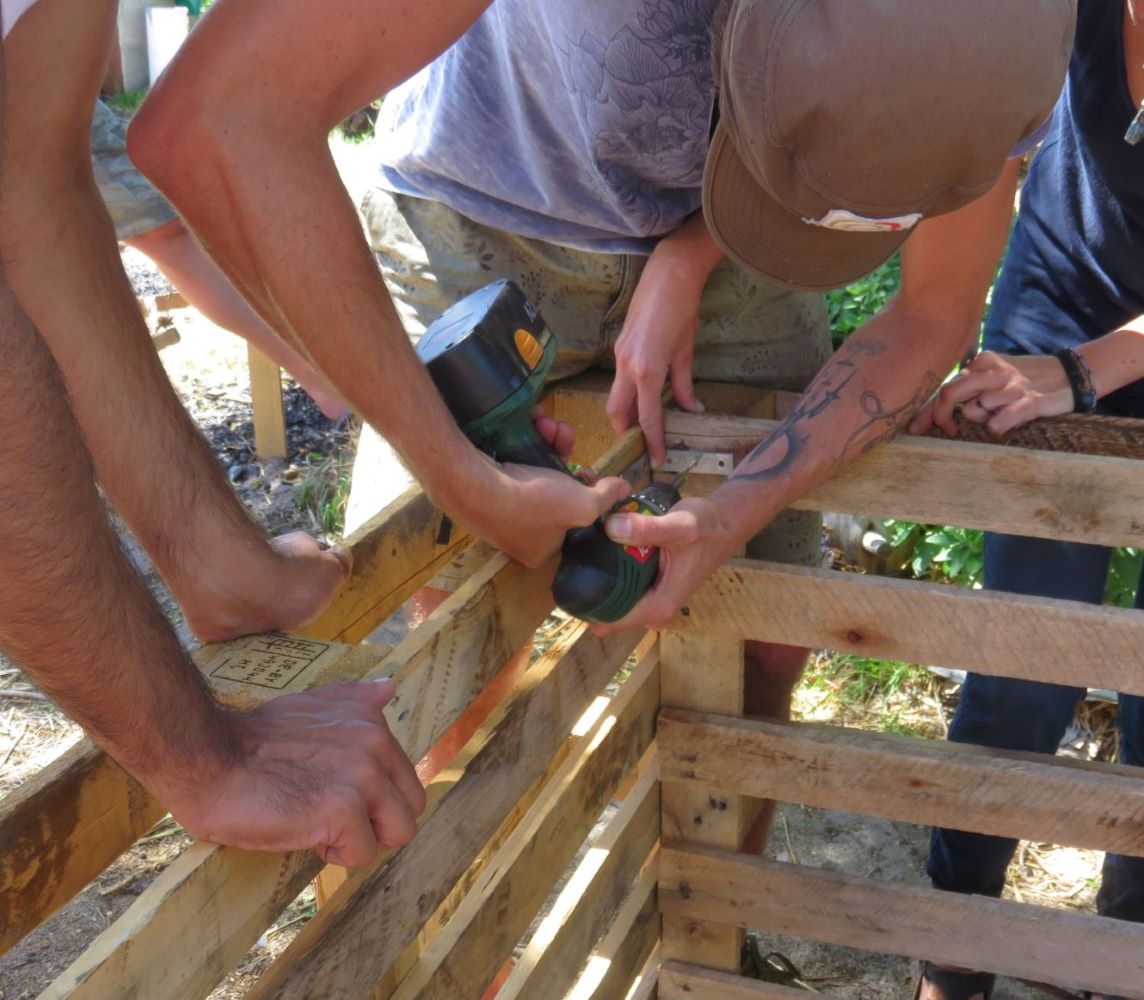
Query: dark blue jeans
1026,715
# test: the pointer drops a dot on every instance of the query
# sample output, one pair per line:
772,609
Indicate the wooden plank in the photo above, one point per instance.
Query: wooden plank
704,672
346,948
211,906
678,981
266,404
623,952
591,899
481,935
1035,638
396,552
65,825
1003,793
1044,494
1013,939
646,987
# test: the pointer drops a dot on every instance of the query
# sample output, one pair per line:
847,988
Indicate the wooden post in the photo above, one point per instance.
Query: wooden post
266,402
702,670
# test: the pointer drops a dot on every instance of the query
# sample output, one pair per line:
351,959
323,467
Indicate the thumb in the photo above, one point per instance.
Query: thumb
677,527
378,693
608,492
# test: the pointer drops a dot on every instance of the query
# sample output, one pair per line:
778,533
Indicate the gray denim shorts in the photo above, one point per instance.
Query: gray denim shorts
134,204
749,331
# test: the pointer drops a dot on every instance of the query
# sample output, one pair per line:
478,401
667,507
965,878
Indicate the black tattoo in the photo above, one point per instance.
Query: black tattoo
788,443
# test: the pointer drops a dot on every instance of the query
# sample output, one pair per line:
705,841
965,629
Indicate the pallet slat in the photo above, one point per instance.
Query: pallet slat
591,899
61,828
623,952
1006,794
1058,946
438,669
480,936
347,948
678,981
1035,638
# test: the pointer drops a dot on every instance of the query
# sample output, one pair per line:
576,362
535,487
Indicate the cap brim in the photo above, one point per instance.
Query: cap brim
774,242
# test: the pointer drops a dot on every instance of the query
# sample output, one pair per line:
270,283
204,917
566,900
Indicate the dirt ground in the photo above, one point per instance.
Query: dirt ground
208,368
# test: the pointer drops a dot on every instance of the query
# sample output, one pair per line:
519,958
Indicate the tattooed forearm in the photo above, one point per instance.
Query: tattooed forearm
775,456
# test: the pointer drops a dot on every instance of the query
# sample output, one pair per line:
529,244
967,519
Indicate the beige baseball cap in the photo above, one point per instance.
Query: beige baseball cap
844,123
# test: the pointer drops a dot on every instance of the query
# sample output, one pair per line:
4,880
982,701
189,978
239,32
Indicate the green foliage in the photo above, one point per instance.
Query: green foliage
126,102
940,552
324,489
851,306
1123,576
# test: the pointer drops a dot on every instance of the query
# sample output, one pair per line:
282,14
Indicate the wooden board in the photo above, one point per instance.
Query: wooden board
216,901
591,898
703,671
481,935
65,825
622,954
1013,939
939,625
349,945
678,981
1044,494
266,404
395,552
1007,794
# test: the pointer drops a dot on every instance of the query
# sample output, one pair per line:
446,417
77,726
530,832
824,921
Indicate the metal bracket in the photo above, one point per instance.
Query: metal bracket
707,463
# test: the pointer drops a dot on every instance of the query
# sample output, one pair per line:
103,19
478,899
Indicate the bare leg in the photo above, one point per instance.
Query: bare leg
64,266
771,672
185,263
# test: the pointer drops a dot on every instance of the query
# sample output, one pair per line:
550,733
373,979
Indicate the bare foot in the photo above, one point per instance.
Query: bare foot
290,586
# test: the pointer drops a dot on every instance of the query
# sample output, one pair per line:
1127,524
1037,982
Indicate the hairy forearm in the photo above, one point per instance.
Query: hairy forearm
72,612
867,392
254,179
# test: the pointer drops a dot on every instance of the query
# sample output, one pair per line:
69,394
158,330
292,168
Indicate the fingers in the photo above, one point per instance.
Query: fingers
683,386
557,433
621,405
677,527
651,421
606,494
923,420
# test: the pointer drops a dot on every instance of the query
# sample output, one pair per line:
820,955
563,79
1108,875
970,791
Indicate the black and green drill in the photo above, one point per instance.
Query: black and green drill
489,356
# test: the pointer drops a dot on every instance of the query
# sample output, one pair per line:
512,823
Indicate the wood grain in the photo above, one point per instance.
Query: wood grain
1014,939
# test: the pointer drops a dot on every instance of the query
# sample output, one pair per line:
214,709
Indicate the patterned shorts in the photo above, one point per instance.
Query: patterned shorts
749,331
135,206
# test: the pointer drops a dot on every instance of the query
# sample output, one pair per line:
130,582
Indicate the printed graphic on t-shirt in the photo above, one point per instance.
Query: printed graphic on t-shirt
645,94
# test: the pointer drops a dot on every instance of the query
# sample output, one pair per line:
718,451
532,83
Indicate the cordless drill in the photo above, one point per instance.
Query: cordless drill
489,355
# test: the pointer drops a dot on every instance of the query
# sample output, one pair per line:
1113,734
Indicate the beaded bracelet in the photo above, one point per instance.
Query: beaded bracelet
1080,379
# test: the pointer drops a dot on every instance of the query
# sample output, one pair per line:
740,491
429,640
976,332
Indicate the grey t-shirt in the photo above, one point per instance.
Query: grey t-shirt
582,123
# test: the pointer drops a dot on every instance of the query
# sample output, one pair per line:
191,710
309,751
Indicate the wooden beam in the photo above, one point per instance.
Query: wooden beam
215,901
1035,638
349,945
647,986
481,934
1044,494
1003,793
678,981
706,672
66,824
1014,939
592,897
266,404
395,553
622,954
